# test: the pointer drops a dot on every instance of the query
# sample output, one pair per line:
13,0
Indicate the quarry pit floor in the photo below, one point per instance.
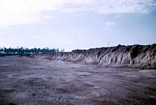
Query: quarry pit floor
29,81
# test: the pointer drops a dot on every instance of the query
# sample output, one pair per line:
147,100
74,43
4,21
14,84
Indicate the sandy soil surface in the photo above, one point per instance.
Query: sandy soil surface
28,81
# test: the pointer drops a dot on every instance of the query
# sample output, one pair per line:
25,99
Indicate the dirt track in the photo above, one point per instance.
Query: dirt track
27,81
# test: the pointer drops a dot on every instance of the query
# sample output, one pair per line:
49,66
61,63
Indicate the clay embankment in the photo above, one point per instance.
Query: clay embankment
135,56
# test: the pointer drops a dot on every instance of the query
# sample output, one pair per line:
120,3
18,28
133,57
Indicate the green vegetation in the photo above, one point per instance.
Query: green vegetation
22,51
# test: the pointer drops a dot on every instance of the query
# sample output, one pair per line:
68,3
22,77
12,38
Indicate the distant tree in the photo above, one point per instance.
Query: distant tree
22,50
61,50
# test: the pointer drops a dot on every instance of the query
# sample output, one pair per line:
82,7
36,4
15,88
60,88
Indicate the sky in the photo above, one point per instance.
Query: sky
76,24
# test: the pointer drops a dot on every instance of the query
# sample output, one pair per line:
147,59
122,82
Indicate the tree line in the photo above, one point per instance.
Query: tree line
22,51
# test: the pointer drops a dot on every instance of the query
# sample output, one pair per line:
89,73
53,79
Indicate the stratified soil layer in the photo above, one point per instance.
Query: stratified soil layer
29,81
134,56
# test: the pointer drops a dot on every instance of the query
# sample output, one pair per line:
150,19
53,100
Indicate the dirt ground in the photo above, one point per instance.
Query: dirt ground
28,81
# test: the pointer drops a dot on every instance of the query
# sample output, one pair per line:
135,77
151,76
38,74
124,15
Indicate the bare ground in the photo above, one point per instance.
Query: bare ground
27,81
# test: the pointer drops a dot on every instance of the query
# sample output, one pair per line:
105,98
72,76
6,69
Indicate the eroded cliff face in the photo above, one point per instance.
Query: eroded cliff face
142,56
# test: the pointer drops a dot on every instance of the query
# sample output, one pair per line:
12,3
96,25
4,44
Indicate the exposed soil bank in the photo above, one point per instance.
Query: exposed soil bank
135,56
27,81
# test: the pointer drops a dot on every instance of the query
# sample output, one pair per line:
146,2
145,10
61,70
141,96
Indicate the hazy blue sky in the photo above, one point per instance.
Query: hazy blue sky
76,24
